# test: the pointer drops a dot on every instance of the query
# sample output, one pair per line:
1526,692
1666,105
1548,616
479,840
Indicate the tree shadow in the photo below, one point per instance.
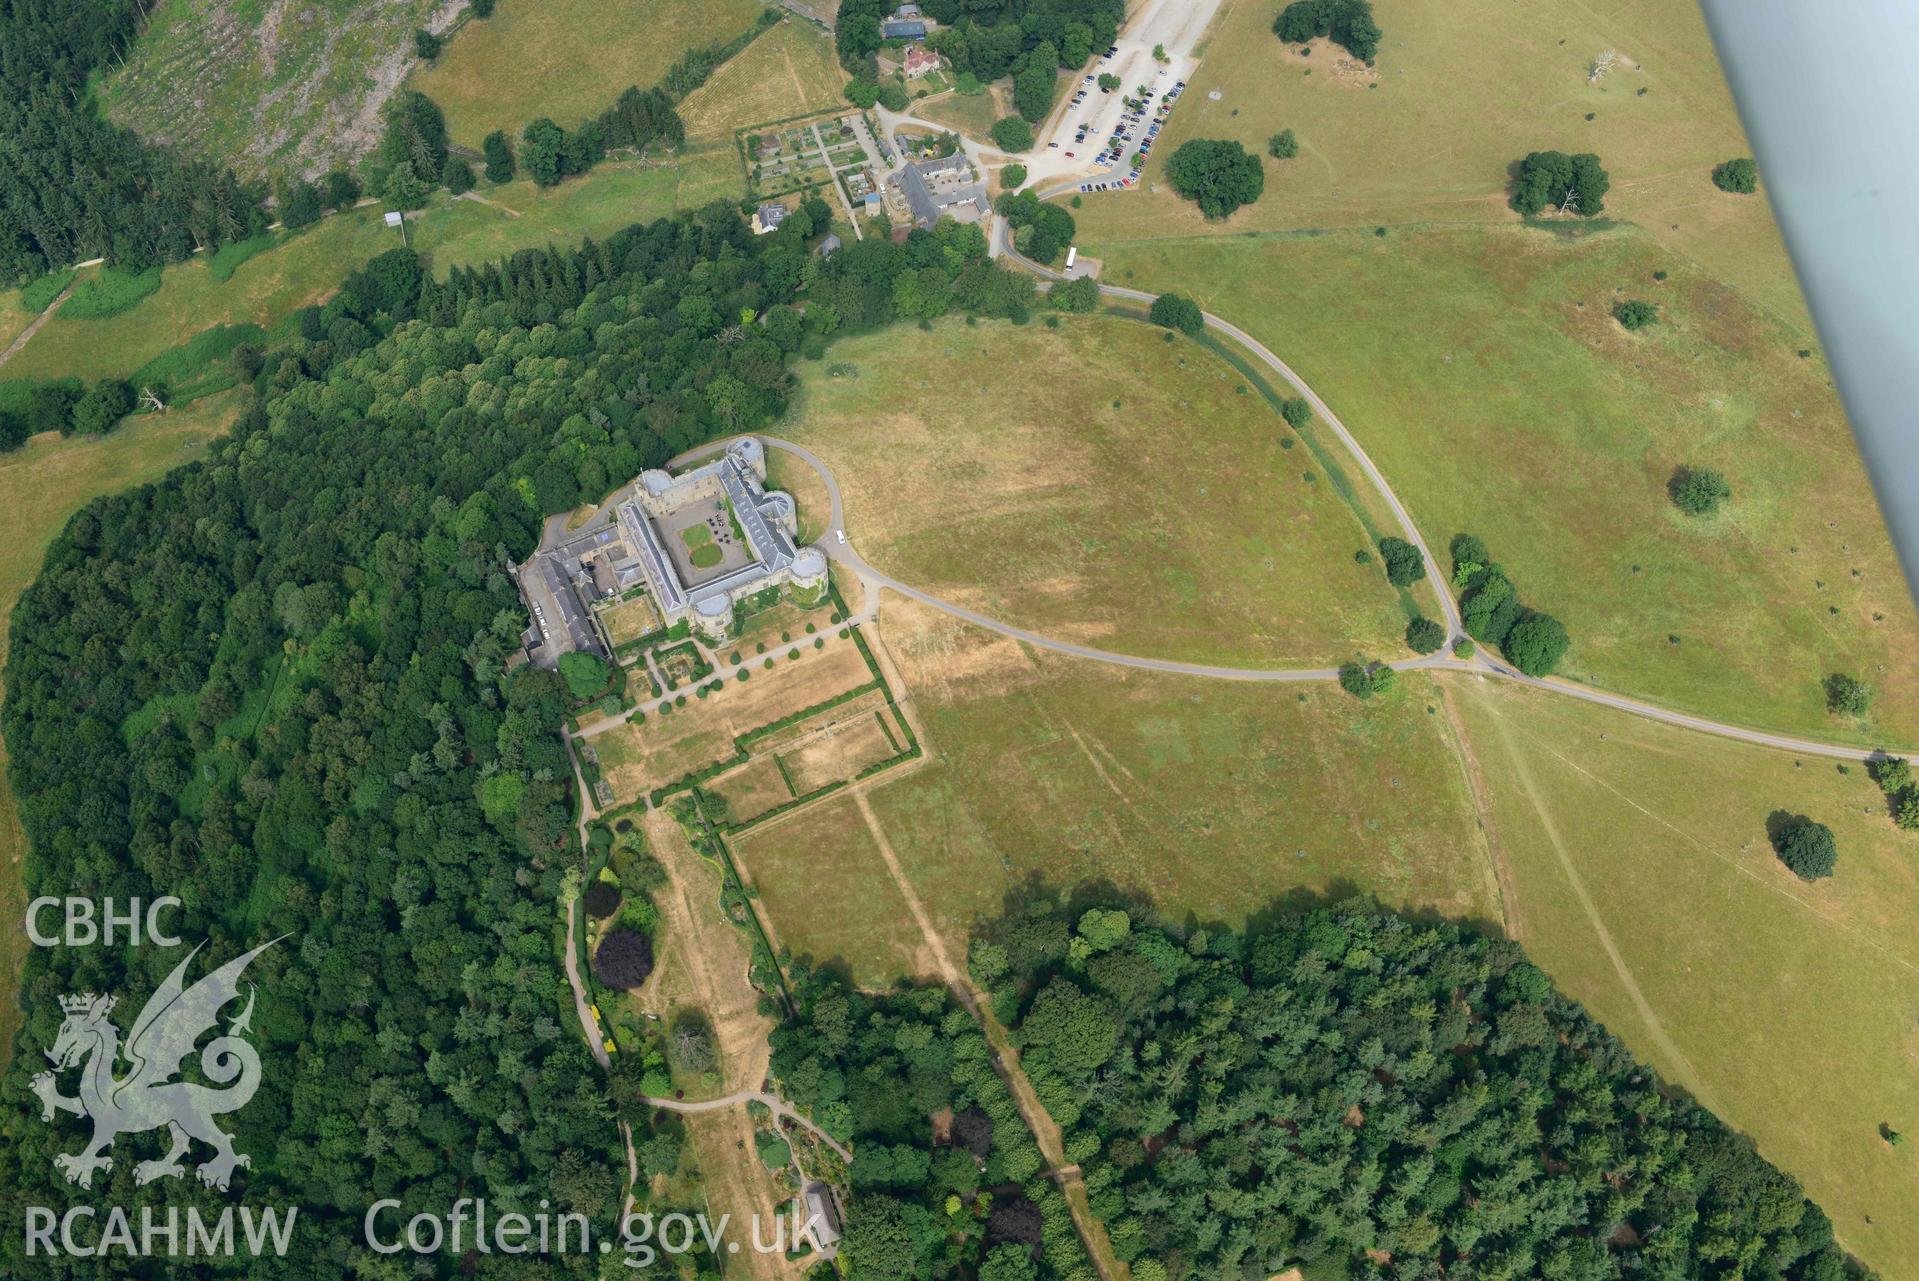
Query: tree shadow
1779,824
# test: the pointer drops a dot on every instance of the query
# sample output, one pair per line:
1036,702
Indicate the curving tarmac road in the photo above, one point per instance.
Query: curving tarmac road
843,552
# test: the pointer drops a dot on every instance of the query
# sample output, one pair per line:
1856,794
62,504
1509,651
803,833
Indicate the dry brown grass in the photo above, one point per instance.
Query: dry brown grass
753,788
1095,483
702,959
1209,797
663,749
566,59
789,71
631,619
806,866
839,753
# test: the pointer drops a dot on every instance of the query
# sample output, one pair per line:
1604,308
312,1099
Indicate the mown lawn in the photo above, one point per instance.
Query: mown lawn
1647,888
1208,797
1482,370
41,485
566,59
1464,90
1095,483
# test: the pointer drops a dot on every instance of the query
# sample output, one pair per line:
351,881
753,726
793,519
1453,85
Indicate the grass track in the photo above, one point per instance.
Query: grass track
1209,798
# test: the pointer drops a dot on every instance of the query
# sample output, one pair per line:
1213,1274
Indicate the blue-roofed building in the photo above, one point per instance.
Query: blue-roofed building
903,29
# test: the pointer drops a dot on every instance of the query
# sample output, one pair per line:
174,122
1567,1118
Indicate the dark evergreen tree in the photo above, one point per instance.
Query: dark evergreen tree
499,157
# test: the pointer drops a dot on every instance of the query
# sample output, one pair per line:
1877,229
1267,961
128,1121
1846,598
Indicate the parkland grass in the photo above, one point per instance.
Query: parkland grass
1098,484
41,486
1647,888
1463,91
267,88
1206,797
1481,369
566,59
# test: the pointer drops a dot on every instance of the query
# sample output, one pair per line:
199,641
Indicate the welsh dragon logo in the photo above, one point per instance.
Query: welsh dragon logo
146,1098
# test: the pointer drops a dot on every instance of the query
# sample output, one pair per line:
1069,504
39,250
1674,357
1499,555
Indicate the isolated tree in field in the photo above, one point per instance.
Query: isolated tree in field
482,8
543,152
1740,176
1013,177
457,177
585,674
1424,636
1010,133
1698,491
1176,311
499,157
426,44
1404,564
1806,847
1562,183
691,1045
1220,175
1359,680
1296,411
1635,313
1536,643
623,959
1348,23
1081,294
1847,695
1893,773
1905,808
1283,145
